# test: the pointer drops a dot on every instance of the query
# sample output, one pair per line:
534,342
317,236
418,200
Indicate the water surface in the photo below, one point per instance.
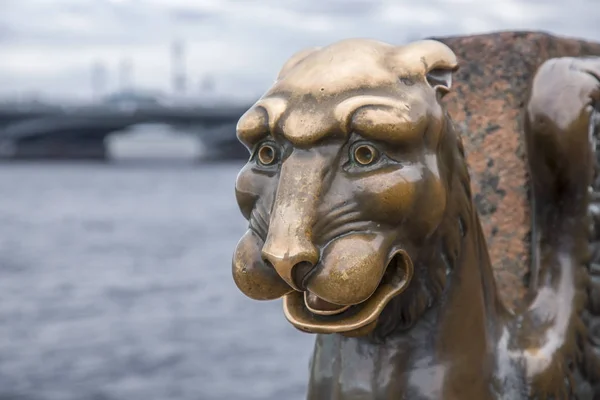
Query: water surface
115,284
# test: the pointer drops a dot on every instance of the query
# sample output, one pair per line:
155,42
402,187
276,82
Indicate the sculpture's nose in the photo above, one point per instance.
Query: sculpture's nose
293,261
289,246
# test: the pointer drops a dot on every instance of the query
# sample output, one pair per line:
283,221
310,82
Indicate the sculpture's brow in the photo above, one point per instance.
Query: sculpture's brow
260,120
253,127
380,118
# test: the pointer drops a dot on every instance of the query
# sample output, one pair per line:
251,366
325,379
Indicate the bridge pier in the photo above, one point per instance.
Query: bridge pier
225,151
68,148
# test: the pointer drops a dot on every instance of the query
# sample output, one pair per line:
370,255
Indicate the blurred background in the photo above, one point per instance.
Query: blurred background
118,149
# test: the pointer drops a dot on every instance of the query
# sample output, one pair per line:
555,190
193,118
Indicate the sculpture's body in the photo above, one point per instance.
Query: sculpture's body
362,218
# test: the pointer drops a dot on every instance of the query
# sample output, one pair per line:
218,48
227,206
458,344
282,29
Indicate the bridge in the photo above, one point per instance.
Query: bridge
80,132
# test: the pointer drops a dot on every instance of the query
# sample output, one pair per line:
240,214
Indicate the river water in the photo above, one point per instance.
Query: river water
115,284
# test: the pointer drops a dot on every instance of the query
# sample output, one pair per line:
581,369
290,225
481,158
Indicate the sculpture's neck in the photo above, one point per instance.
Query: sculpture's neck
450,347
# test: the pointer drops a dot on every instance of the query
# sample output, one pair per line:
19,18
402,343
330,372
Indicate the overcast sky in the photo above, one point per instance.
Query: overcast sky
49,46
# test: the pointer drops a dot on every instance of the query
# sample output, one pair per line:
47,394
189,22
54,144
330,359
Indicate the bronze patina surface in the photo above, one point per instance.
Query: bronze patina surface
403,237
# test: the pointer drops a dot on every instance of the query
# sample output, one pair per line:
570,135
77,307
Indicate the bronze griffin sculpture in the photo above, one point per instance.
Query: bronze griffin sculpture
435,258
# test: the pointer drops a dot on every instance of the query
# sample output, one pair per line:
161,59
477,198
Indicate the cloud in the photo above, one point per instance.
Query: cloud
49,46
336,8
188,15
5,33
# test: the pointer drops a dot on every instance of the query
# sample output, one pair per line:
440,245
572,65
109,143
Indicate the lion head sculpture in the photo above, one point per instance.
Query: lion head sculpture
347,187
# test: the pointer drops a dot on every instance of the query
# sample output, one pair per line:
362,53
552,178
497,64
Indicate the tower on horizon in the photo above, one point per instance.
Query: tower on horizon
125,74
178,70
99,79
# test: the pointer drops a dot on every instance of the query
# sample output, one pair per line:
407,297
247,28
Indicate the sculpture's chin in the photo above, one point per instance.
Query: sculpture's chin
350,320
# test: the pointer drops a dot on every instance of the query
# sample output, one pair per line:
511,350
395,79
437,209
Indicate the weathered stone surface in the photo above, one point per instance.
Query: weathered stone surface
486,104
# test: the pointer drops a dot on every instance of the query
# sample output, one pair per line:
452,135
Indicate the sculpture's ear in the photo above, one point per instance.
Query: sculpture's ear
440,80
295,60
591,66
431,59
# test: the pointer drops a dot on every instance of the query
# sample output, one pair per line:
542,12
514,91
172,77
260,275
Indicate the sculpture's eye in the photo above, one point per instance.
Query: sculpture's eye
267,154
364,154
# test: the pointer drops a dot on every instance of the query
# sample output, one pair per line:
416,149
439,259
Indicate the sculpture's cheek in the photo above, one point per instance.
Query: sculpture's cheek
388,197
413,195
255,279
351,268
249,186
430,209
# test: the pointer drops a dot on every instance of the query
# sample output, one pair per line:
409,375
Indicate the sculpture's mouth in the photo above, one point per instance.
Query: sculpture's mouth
309,313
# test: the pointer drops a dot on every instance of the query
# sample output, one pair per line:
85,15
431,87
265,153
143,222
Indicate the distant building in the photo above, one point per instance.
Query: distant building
131,100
